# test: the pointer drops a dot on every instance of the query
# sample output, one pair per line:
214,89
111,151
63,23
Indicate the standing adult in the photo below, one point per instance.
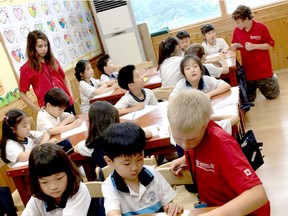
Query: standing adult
42,71
254,41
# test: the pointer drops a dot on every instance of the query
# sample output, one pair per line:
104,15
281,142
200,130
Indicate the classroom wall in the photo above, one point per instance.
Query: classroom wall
275,17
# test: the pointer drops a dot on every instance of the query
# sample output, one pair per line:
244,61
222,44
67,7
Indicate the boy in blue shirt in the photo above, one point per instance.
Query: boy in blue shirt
133,188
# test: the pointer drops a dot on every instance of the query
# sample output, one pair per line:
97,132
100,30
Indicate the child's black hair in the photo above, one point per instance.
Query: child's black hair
182,34
206,28
123,139
102,62
125,76
195,59
48,159
57,97
80,68
10,121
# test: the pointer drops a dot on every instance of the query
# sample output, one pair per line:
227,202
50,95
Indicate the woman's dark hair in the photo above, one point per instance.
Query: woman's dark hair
123,139
80,68
32,53
186,59
167,48
49,159
242,12
101,115
11,119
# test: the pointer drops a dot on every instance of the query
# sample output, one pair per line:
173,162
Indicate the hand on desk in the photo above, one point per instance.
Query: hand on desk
178,165
172,209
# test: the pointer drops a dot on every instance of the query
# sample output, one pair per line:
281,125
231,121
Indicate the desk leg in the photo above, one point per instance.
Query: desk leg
232,77
22,187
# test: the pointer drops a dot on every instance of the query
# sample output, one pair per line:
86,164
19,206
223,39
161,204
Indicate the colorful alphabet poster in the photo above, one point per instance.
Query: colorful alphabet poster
68,25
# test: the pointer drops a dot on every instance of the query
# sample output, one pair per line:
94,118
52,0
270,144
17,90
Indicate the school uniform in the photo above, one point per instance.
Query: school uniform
221,170
170,71
106,77
129,100
209,84
86,93
213,70
14,148
76,205
154,192
45,120
42,81
215,48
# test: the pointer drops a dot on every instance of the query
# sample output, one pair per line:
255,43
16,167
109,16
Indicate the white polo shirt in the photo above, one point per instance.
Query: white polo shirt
154,192
128,100
76,205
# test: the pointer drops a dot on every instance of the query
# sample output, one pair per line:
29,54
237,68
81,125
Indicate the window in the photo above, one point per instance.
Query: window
233,4
159,14
173,13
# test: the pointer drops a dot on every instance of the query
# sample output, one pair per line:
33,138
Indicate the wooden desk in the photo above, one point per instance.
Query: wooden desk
153,82
231,62
158,144
188,212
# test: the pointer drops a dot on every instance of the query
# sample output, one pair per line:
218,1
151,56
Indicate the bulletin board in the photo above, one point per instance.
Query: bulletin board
68,24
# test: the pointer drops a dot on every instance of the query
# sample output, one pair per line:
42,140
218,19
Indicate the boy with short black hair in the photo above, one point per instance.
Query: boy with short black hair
137,96
219,168
52,117
108,69
133,188
184,39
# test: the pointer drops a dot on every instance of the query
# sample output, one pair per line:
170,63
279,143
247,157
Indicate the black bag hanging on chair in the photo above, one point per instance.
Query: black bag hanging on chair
251,149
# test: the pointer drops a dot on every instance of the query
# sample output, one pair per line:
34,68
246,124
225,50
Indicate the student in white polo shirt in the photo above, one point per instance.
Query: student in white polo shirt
133,188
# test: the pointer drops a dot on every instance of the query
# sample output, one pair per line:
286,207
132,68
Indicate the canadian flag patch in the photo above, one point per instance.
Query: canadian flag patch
247,172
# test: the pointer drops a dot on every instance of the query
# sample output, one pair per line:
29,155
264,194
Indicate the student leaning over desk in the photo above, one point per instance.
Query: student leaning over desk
89,86
17,140
220,170
55,184
52,116
137,96
169,61
133,188
192,69
42,71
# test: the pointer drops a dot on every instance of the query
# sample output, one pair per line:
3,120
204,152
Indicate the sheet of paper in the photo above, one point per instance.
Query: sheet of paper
159,130
139,113
226,110
20,163
73,131
104,94
155,79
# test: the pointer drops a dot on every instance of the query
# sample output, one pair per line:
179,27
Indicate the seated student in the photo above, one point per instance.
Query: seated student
223,175
212,44
210,68
192,69
169,61
101,115
184,39
17,139
89,86
55,184
133,188
137,96
52,117
108,69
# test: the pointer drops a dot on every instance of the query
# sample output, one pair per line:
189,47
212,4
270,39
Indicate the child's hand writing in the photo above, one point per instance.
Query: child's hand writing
77,122
139,106
172,209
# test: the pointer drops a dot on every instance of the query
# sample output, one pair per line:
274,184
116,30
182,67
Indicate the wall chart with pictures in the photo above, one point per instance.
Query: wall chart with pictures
68,24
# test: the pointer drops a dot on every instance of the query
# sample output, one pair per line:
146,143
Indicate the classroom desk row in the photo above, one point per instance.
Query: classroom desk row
153,79
226,103
187,212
